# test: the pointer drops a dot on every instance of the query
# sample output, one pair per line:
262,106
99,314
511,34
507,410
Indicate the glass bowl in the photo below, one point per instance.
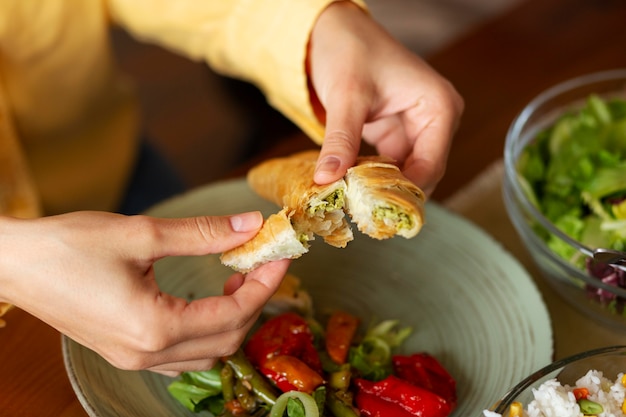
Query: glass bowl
601,301
611,361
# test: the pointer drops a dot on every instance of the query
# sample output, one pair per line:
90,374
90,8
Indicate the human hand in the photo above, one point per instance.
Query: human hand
370,86
90,275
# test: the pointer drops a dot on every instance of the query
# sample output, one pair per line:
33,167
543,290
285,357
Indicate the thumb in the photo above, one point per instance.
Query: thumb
205,234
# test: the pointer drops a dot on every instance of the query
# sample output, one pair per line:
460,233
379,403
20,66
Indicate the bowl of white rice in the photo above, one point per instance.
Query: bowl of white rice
591,383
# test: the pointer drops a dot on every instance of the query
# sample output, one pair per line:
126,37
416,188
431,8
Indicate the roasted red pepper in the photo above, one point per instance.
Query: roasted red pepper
374,406
291,374
394,397
286,334
425,371
340,331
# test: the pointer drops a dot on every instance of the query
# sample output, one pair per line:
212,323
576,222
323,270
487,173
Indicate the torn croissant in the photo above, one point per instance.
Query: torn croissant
379,199
288,182
276,240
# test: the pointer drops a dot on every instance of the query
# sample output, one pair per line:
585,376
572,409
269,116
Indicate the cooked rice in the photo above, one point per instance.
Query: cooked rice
552,399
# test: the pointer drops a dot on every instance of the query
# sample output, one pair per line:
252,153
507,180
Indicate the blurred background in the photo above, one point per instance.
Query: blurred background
207,124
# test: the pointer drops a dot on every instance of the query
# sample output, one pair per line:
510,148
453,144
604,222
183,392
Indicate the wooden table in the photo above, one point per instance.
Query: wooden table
498,68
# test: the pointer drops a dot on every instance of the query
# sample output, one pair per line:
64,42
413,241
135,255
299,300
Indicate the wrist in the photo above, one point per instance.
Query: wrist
8,261
4,306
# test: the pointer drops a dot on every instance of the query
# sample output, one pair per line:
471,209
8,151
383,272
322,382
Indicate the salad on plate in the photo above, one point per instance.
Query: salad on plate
296,366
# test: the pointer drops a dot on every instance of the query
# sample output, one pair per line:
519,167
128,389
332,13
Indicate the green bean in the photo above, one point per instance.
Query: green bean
227,377
338,407
340,379
244,396
244,371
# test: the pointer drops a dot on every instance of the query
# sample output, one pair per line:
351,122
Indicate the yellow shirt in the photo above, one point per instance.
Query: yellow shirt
69,117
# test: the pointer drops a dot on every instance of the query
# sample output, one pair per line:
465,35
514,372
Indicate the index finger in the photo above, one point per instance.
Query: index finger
426,164
342,140
225,313
433,133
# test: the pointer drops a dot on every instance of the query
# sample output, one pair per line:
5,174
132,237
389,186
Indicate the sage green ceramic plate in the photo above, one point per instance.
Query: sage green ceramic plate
470,303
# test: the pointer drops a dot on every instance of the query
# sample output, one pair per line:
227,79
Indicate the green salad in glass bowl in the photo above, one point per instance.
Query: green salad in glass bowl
575,173
565,189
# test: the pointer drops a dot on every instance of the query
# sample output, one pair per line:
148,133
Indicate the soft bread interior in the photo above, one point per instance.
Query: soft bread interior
323,214
382,202
288,182
276,240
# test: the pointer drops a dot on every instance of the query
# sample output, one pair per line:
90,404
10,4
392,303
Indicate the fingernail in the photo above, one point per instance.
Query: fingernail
246,222
328,165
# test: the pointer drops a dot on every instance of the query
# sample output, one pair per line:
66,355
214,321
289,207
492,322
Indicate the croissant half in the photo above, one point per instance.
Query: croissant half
276,240
377,197
288,182
382,201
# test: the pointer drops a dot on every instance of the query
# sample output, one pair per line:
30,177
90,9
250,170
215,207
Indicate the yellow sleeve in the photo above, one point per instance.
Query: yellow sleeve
262,42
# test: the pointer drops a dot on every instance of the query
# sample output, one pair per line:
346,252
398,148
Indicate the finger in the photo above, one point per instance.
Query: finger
200,353
342,140
174,369
203,234
171,374
426,164
221,314
270,275
389,137
233,283
225,338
